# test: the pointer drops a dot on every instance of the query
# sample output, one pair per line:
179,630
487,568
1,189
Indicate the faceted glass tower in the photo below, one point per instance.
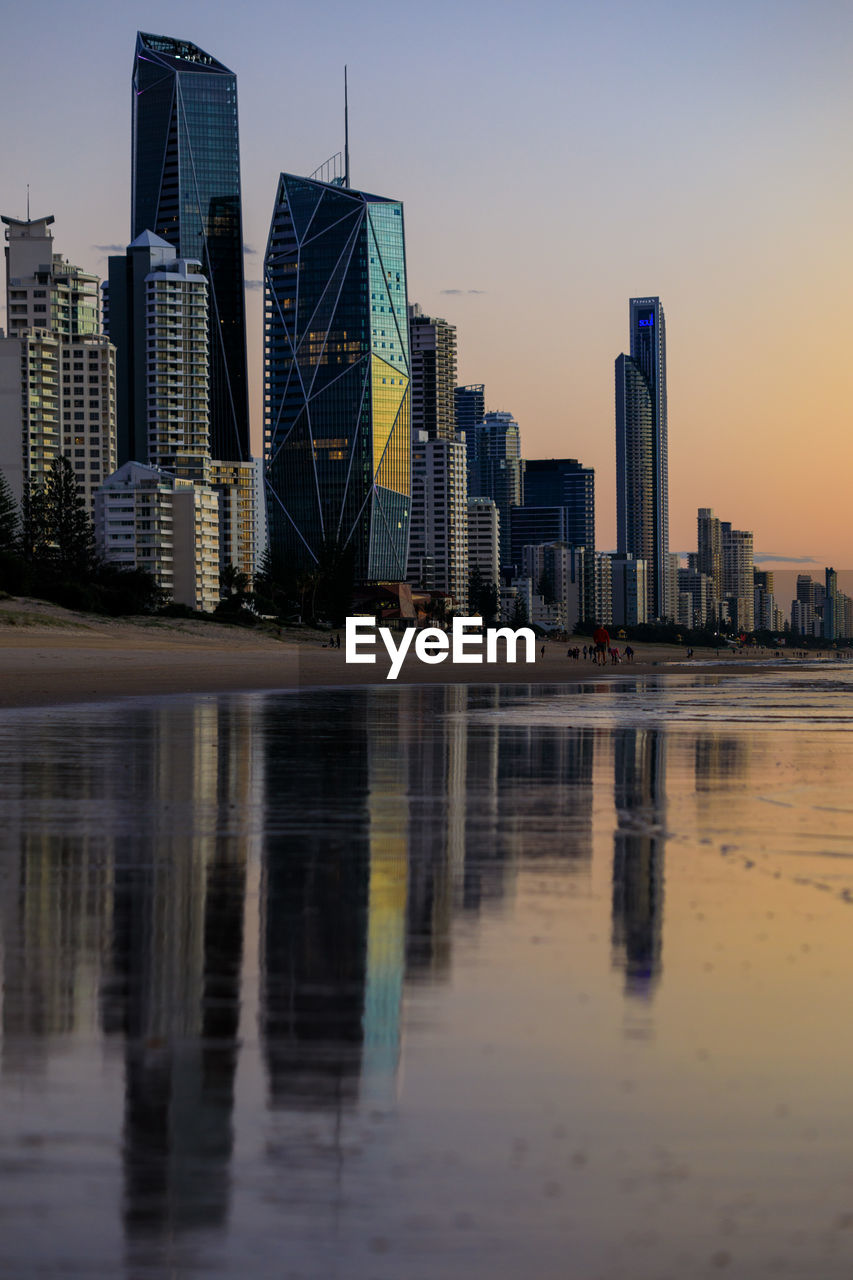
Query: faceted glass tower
337,430
186,189
642,462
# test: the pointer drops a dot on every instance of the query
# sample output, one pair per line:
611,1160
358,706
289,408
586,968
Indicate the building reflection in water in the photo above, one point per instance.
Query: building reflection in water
719,759
638,856
172,986
54,904
314,899
380,819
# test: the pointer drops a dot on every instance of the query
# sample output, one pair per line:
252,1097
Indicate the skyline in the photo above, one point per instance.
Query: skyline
736,218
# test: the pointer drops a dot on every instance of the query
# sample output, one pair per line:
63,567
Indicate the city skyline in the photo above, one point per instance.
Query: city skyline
752,267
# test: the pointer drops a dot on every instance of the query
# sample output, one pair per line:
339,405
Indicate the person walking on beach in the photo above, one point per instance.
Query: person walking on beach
601,636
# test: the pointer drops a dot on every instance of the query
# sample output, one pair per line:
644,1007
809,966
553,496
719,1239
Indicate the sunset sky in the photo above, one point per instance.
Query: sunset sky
553,159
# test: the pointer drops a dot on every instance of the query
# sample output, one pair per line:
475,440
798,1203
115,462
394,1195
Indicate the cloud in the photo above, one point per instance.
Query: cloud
457,292
254,284
109,248
771,555
250,251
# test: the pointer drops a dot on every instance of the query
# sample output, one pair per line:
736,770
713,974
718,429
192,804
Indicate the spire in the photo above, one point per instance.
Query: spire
346,130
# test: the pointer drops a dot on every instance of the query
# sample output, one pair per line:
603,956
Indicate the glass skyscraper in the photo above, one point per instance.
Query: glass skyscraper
186,189
337,429
642,462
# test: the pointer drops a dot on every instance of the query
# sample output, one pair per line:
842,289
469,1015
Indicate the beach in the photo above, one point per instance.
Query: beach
50,656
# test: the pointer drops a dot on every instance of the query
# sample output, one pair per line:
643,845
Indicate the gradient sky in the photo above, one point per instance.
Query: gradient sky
554,159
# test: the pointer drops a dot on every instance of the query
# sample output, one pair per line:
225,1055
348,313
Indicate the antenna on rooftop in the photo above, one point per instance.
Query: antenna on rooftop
346,130
28,202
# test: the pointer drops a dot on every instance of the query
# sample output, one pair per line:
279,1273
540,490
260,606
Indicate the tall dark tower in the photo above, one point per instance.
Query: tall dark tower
186,188
642,461
337,429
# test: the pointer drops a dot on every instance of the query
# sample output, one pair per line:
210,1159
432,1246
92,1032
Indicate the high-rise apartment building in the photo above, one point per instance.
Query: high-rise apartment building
484,524
495,468
629,579
186,189
126,320
432,344
242,536
642,463
710,552
176,299
470,410
470,406
699,589
602,573
438,550
552,482
57,370
557,572
337,430
563,482
157,310
738,576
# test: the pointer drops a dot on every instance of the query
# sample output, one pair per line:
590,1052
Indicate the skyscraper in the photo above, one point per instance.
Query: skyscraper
186,189
337,430
470,406
495,467
710,551
438,550
642,466
563,482
738,574
433,349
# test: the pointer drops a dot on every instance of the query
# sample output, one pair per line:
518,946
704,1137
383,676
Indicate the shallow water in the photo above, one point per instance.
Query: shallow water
438,981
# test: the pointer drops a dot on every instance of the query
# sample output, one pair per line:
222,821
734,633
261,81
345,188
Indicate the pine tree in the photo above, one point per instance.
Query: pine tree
9,518
67,522
476,586
34,535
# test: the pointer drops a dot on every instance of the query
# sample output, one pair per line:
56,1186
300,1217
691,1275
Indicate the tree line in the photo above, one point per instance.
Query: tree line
47,550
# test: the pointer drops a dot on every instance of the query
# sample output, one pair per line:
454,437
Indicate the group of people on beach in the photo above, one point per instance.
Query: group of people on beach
600,653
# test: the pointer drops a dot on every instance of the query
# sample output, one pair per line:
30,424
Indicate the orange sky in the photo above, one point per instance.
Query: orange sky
554,161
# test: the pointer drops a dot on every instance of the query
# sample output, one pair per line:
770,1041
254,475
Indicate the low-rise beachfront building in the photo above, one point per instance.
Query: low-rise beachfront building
146,518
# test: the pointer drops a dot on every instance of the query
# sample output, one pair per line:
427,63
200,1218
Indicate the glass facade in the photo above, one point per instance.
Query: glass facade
186,188
337,431
642,464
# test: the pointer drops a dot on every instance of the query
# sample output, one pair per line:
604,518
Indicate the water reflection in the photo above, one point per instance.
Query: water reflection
638,856
323,859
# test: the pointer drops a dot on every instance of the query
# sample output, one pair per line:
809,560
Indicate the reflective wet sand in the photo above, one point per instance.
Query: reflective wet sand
417,982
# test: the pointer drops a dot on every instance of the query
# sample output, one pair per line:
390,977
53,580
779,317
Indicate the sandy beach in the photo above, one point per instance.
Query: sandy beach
50,656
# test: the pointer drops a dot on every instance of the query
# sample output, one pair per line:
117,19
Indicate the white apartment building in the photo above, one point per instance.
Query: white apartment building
603,571
178,383
438,540
57,370
146,518
484,538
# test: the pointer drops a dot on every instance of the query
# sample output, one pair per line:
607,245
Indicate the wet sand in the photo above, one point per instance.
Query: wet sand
51,656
